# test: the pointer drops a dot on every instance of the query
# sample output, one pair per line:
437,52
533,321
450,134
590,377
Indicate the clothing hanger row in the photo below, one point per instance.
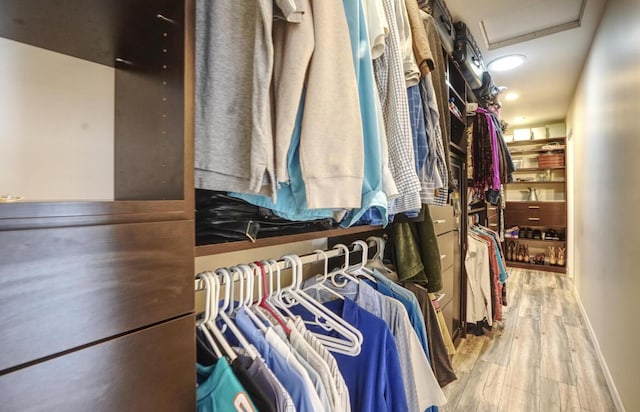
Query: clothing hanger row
256,288
339,250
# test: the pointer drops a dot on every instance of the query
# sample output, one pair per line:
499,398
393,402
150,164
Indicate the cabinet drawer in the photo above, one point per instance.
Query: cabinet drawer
442,217
150,370
447,286
445,244
536,213
447,312
67,287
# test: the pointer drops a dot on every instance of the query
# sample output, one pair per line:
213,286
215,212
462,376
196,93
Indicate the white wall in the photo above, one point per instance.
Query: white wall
605,152
56,125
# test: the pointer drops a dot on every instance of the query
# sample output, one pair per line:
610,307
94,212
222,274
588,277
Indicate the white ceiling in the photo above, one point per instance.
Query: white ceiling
546,81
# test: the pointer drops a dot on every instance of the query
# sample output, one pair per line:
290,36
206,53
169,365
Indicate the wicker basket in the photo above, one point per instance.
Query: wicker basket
550,160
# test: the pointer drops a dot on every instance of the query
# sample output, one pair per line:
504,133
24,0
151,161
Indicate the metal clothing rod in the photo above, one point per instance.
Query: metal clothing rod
306,259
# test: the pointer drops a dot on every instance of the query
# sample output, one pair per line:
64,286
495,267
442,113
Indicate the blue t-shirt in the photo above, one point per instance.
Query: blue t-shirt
374,377
219,390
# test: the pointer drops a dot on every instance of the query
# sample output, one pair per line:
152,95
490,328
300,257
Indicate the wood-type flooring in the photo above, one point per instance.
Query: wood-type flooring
540,358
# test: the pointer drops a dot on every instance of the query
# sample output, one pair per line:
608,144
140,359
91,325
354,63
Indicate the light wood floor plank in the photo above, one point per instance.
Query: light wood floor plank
556,396
555,362
540,358
454,392
517,400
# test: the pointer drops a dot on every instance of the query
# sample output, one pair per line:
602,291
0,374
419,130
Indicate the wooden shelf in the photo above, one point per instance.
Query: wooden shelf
533,266
205,250
535,142
533,151
547,241
535,182
476,210
537,169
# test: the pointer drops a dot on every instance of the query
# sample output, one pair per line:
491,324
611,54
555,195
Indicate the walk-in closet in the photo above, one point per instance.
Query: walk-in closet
318,205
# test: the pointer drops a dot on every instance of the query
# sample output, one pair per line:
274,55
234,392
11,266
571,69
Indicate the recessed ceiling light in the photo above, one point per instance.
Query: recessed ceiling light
511,96
506,62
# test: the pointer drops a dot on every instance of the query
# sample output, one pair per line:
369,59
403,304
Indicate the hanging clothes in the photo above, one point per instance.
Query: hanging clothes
417,254
372,194
261,385
238,121
440,361
374,377
421,388
218,388
392,90
290,378
476,263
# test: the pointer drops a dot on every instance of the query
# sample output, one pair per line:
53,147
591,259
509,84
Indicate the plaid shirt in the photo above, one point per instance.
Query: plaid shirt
392,90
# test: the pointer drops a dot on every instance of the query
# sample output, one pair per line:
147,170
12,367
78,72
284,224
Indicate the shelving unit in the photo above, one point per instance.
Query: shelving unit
535,182
534,266
549,213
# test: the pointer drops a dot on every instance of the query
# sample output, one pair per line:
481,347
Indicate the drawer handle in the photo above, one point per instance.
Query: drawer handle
534,207
493,224
437,221
534,219
443,257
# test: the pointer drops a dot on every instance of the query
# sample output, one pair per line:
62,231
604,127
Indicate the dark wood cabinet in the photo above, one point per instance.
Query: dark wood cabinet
544,218
536,213
148,370
96,297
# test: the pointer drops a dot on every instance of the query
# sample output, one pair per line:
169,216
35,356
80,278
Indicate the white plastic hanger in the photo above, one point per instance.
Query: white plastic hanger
376,260
251,351
247,270
207,316
272,299
213,307
351,341
343,270
322,278
360,269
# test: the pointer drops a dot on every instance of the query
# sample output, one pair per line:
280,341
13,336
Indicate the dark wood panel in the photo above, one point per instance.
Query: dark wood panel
536,213
62,288
533,266
539,207
28,215
149,105
150,370
94,30
521,218
189,114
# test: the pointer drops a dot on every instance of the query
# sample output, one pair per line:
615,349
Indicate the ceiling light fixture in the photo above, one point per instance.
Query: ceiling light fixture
506,62
511,96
